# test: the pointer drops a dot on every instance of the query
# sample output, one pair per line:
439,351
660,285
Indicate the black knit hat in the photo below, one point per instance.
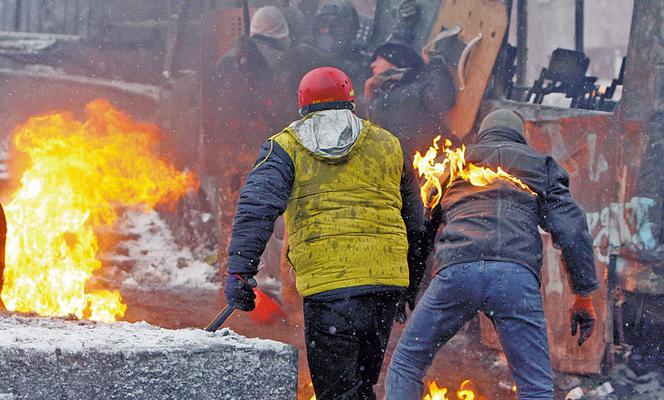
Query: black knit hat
400,54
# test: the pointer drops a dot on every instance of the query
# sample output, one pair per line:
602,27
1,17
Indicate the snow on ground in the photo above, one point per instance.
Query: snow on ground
47,334
154,258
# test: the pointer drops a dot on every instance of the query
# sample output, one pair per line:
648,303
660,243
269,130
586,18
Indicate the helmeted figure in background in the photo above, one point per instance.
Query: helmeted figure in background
353,214
489,259
335,38
333,43
249,89
250,99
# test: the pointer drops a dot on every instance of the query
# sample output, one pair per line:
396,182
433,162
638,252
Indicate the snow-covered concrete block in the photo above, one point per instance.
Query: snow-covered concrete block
44,358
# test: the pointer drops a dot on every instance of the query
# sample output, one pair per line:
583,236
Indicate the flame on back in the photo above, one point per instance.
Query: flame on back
455,166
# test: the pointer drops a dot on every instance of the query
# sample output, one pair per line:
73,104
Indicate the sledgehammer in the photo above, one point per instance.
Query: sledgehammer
227,311
267,311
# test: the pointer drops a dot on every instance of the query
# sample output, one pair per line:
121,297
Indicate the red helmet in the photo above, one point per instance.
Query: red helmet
325,88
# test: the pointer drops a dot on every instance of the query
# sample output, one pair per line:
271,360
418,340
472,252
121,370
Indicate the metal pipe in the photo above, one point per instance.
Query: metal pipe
578,24
522,41
220,319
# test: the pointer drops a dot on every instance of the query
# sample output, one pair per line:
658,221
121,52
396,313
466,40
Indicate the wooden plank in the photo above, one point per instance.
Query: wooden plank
83,21
32,12
485,17
52,16
23,14
7,11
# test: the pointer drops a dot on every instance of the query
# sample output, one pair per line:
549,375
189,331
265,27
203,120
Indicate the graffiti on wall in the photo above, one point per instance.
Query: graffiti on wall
622,225
625,225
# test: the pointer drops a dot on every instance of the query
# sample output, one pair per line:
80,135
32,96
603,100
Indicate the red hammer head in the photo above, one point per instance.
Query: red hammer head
267,310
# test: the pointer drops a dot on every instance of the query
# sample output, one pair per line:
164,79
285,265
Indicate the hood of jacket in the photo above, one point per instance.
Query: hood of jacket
329,134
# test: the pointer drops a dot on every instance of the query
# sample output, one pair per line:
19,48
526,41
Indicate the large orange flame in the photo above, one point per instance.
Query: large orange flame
456,167
79,173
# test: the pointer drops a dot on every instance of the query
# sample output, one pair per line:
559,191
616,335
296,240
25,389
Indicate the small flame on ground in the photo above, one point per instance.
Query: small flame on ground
465,392
79,173
453,167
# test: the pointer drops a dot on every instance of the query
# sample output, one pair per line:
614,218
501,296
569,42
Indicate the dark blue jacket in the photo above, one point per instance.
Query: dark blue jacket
265,196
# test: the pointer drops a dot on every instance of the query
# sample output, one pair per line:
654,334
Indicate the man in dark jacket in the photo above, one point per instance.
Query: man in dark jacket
250,98
248,91
353,216
489,259
406,96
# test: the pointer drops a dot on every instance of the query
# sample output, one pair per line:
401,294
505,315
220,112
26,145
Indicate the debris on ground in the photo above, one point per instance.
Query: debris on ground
622,383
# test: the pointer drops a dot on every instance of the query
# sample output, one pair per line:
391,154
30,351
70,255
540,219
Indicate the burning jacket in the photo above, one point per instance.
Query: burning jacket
500,221
351,201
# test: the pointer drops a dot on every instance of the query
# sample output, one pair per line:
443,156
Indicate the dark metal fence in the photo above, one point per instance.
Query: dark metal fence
67,17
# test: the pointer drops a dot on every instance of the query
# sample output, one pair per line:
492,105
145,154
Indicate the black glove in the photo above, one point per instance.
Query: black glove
583,316
408,298
248,55
239,291
401,314
407,12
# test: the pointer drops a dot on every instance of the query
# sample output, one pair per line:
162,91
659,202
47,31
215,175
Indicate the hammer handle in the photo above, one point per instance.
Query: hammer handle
220,319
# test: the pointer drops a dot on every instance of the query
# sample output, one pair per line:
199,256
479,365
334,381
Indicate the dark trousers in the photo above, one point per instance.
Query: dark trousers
346,341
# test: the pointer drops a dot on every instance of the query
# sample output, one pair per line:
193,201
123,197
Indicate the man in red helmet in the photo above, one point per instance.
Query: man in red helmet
353,215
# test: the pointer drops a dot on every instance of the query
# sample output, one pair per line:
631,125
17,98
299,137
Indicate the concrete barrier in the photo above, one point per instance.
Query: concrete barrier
44,358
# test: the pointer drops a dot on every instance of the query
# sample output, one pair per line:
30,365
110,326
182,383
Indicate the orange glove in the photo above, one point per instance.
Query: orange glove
583,316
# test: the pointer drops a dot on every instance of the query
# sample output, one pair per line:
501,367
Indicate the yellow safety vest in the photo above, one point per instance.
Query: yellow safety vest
344,218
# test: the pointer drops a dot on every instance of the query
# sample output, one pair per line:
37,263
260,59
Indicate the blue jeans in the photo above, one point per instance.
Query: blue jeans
508,294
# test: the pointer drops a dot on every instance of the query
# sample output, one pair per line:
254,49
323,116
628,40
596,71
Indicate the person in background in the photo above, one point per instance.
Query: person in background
408,97
332,43
250,98
249,90
405,95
